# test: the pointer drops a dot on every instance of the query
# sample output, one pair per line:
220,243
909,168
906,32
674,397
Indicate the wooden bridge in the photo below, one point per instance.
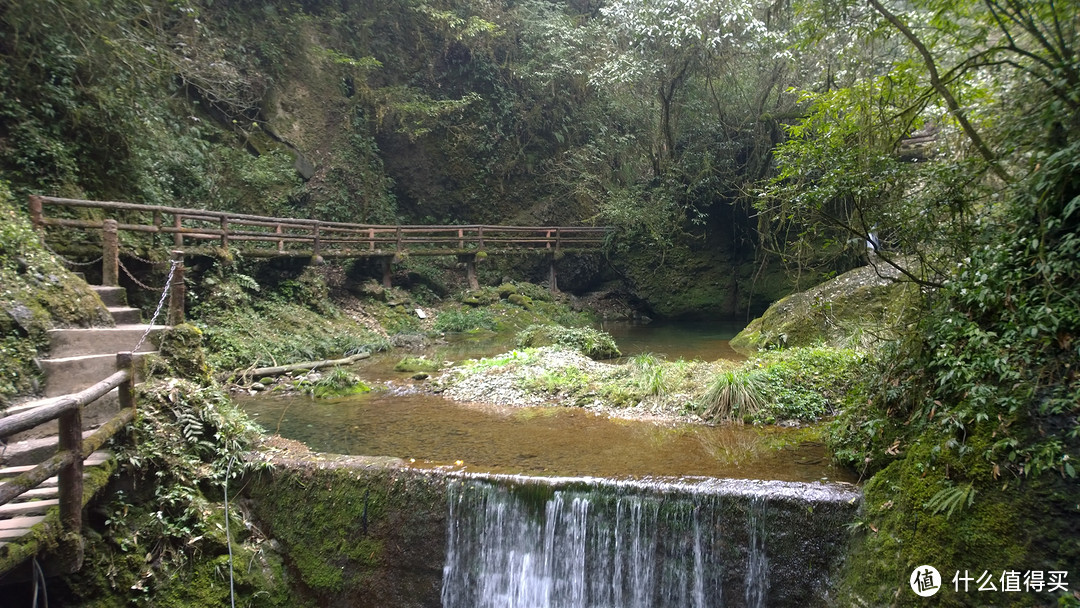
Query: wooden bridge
194,230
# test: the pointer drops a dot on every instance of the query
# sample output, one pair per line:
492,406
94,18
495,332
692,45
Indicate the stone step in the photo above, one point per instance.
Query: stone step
32,507
16,527
67,375
75,342
125,315
32,451
111,296
94,415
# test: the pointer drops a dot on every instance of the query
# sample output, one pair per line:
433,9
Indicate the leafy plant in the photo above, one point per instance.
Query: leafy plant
951,499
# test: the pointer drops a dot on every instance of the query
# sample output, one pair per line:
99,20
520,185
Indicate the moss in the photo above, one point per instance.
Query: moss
360,530
1005,528
852,309
182,355
36,294
418,364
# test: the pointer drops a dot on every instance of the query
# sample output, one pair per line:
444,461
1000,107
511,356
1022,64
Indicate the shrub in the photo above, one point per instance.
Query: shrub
590,342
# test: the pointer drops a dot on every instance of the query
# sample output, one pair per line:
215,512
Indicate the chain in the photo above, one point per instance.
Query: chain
144,260
67,261
132,277
161,303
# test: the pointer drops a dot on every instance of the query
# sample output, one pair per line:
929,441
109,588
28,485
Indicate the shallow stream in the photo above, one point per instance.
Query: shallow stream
544,441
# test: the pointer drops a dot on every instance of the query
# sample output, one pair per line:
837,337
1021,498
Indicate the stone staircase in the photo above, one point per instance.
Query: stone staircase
78,358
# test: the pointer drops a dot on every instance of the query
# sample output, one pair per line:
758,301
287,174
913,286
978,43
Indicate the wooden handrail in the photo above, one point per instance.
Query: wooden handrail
324,237
73,449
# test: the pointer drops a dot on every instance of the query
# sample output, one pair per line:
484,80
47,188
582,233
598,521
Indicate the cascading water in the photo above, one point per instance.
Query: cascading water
526,543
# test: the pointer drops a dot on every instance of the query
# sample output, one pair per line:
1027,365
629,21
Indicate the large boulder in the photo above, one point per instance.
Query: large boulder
856,308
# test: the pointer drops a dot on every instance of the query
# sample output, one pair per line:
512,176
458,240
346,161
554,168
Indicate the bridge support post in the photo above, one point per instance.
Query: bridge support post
553,283
110,254
178,291
469,259
385,263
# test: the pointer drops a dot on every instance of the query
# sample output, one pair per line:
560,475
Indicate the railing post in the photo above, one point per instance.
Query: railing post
480,236
281,242
316,253
178,237
126,390
371,239
70,476
178,291
397,245
547,244
224,233
110,267
460,238
37,214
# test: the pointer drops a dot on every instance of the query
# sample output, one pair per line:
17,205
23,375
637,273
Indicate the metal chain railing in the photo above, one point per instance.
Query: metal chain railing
161,304
136,257
133,279
65,260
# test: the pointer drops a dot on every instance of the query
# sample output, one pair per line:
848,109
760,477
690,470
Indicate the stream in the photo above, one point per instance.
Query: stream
433,431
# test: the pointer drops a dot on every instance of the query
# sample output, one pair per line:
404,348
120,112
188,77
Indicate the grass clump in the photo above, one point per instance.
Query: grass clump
590,342
801,384
418,364
734,395
465,319
337,383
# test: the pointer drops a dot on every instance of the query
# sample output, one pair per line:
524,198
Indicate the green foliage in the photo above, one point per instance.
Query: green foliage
803,384
952,498
464,319
590,342
336,383
648,374
418,364
36,294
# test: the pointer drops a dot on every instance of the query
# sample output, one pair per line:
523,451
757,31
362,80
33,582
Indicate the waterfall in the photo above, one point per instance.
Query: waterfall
525,543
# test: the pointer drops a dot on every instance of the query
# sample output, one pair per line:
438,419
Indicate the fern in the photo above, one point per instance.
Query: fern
951,499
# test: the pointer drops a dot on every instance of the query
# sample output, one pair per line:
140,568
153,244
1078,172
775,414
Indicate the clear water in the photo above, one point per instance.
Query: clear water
539,441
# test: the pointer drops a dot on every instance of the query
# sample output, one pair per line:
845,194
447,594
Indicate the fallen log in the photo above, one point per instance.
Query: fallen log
278,370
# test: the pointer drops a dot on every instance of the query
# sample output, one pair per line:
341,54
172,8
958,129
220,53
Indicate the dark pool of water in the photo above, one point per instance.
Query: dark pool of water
541,441
705,340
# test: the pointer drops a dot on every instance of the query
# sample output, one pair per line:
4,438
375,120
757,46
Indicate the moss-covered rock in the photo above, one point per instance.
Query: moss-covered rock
855,308
1007,525
370,534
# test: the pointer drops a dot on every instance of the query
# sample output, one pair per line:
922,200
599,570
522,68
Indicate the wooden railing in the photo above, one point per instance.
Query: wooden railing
271,237
73,449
